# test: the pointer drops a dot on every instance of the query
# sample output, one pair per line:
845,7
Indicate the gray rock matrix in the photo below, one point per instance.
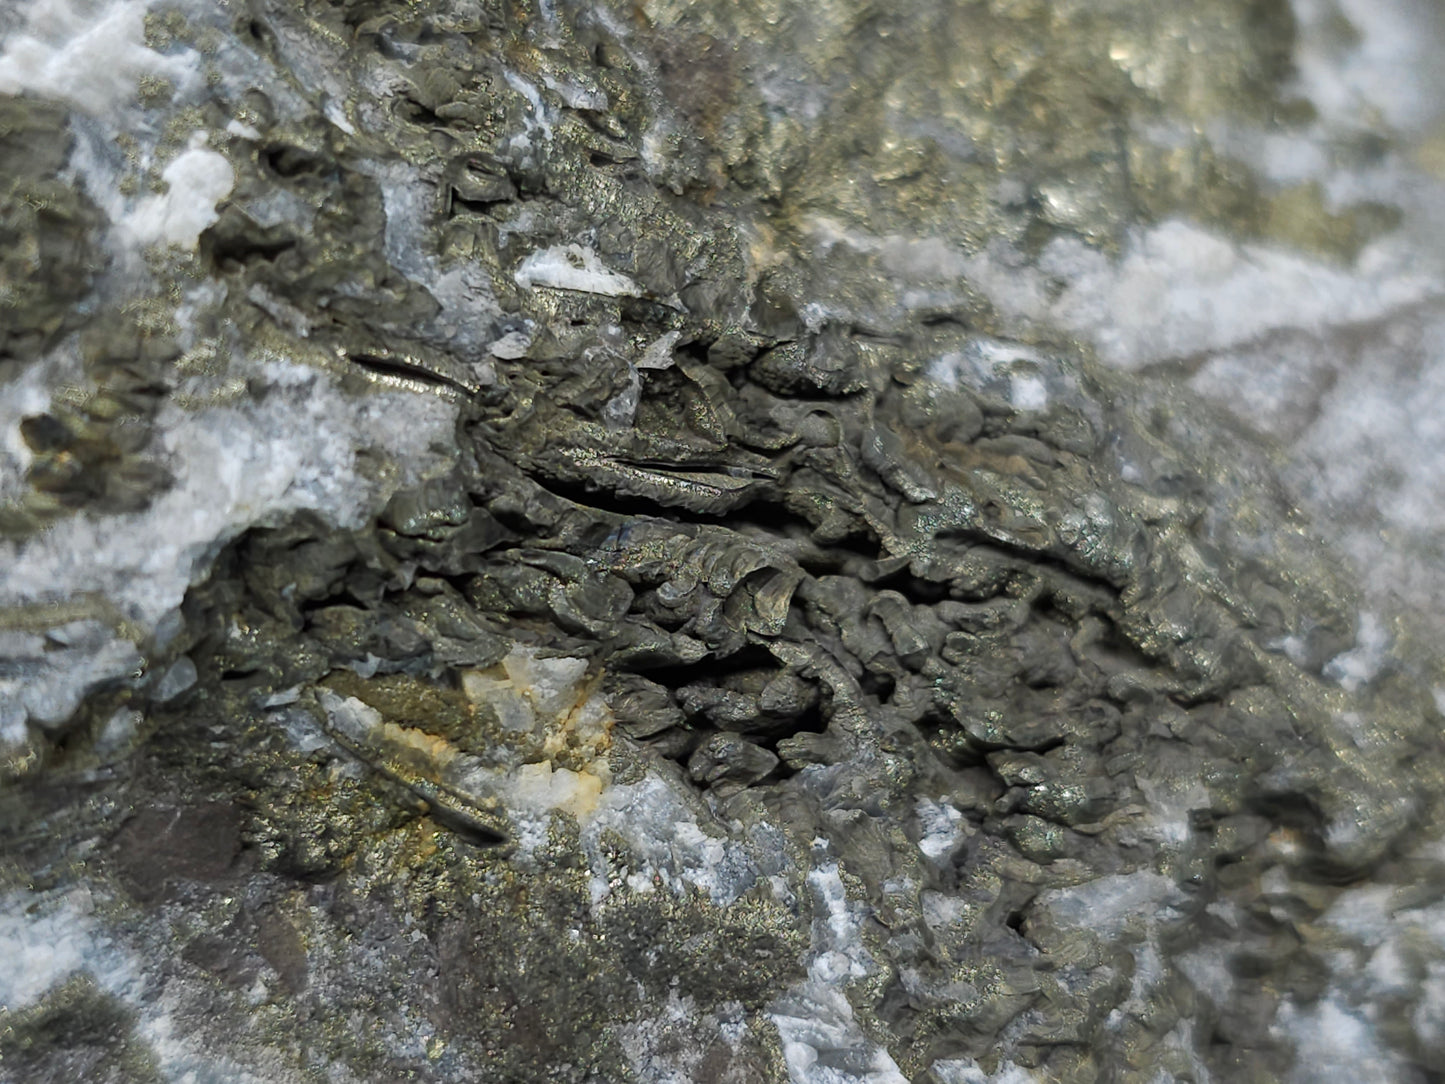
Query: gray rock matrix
537,544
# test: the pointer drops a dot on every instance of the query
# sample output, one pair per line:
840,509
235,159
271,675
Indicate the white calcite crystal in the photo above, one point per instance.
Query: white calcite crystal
574,267
196,180
91,54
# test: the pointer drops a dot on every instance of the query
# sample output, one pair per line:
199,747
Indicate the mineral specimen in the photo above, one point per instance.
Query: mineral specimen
562,542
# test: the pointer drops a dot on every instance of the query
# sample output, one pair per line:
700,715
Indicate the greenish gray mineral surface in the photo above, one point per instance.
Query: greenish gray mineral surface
694,541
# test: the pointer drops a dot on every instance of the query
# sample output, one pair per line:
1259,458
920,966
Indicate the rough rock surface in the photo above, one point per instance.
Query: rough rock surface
712,542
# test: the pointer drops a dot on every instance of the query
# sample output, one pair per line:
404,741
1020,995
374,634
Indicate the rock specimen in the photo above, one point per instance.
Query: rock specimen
534,552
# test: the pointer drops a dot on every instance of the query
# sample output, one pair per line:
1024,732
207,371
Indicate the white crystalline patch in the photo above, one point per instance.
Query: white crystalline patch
822,1042
25,394
815,316
1429,1016
945,370
661,829
984,359
1208,970
14,734
1295,648
658,354
574,267
50,676
911,258
1366,914
464,292
540,787
1028,392
656,144
504,698
818,1024
967,1071
997,353
1404,945
577,97
841,954
1387,73
353,718
1367,461
88,54
335,112
1332,1043
1274,386
233,465
177,679
536,120
39,952
692,839
196,181
539,698
940,824
242,131
1149,972
119,730
282,698
45,942
1373,448
407,200
1363,662
1171,804
641,883
511,346
1180,290
620,411
941,910
666,1046
1388,972
1109,904
921,258
551,684
651,1045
